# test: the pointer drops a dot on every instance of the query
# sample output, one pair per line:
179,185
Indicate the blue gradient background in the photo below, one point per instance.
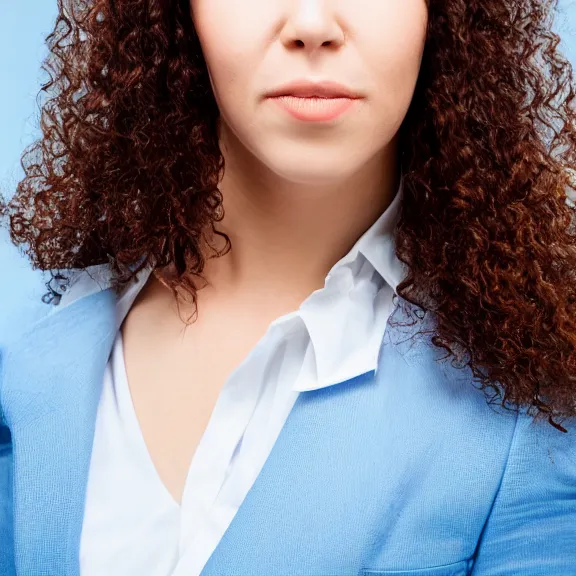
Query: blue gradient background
24,24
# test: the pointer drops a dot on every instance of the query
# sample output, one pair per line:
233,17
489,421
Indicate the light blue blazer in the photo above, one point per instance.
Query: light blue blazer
406,471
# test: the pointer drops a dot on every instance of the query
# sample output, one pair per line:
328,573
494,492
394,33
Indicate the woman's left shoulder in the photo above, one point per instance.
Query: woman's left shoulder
532,523
544,454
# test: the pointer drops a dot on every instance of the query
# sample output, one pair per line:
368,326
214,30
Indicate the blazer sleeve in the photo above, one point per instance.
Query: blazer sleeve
531,529
7,567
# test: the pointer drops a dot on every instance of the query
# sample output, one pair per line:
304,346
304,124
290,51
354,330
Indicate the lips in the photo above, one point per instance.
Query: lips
314,101
313,108
309,89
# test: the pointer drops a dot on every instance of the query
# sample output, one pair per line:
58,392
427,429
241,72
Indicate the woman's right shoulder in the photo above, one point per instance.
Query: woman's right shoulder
21,312
30,298
22,306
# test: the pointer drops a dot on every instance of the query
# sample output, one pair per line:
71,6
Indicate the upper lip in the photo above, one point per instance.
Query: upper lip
309,89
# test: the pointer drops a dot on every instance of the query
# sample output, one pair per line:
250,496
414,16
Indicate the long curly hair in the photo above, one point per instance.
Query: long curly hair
126,173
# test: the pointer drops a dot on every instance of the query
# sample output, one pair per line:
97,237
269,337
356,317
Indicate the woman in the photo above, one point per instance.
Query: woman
312,294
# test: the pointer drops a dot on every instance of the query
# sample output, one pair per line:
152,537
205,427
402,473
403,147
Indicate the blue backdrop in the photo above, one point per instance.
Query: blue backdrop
23,27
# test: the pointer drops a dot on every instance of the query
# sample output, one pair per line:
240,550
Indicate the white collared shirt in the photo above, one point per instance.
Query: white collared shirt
132,525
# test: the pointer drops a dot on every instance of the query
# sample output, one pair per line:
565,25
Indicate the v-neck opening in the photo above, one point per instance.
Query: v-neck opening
124,397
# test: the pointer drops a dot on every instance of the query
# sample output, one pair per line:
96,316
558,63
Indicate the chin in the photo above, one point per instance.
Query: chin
313,169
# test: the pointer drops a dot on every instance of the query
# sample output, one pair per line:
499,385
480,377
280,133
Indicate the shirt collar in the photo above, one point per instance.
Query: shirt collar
346,320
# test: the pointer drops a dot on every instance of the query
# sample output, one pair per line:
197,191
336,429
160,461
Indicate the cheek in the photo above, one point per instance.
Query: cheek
231,84
393,51
229,44
228,32
397,36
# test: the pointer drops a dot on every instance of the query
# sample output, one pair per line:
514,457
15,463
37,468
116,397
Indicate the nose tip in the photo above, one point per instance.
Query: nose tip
310,27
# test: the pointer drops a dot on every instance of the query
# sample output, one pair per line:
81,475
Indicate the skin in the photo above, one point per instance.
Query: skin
288,186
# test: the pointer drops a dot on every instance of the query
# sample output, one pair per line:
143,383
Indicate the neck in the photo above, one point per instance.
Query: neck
288,235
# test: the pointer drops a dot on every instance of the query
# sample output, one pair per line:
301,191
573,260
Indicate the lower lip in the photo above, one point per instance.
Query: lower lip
314,109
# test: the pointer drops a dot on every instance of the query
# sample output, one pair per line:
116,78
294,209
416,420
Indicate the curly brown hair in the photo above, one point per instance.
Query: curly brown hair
128,166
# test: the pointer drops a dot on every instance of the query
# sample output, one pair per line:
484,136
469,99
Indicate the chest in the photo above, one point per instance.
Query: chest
359,474
177,376
173,391
328,499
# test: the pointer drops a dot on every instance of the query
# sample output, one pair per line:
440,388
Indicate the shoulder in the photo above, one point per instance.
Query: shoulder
33,297
541,462
29,297
21,303
536,454
532,522
532,517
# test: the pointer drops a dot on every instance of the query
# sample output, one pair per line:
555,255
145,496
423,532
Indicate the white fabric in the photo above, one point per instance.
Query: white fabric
132,525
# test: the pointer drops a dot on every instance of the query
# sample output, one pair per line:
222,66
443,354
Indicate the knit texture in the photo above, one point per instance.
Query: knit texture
405,471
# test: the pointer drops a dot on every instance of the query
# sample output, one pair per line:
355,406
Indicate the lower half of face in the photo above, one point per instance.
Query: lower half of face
312,89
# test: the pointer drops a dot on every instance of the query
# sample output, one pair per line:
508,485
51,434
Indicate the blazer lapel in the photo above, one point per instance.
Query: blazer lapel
52,384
